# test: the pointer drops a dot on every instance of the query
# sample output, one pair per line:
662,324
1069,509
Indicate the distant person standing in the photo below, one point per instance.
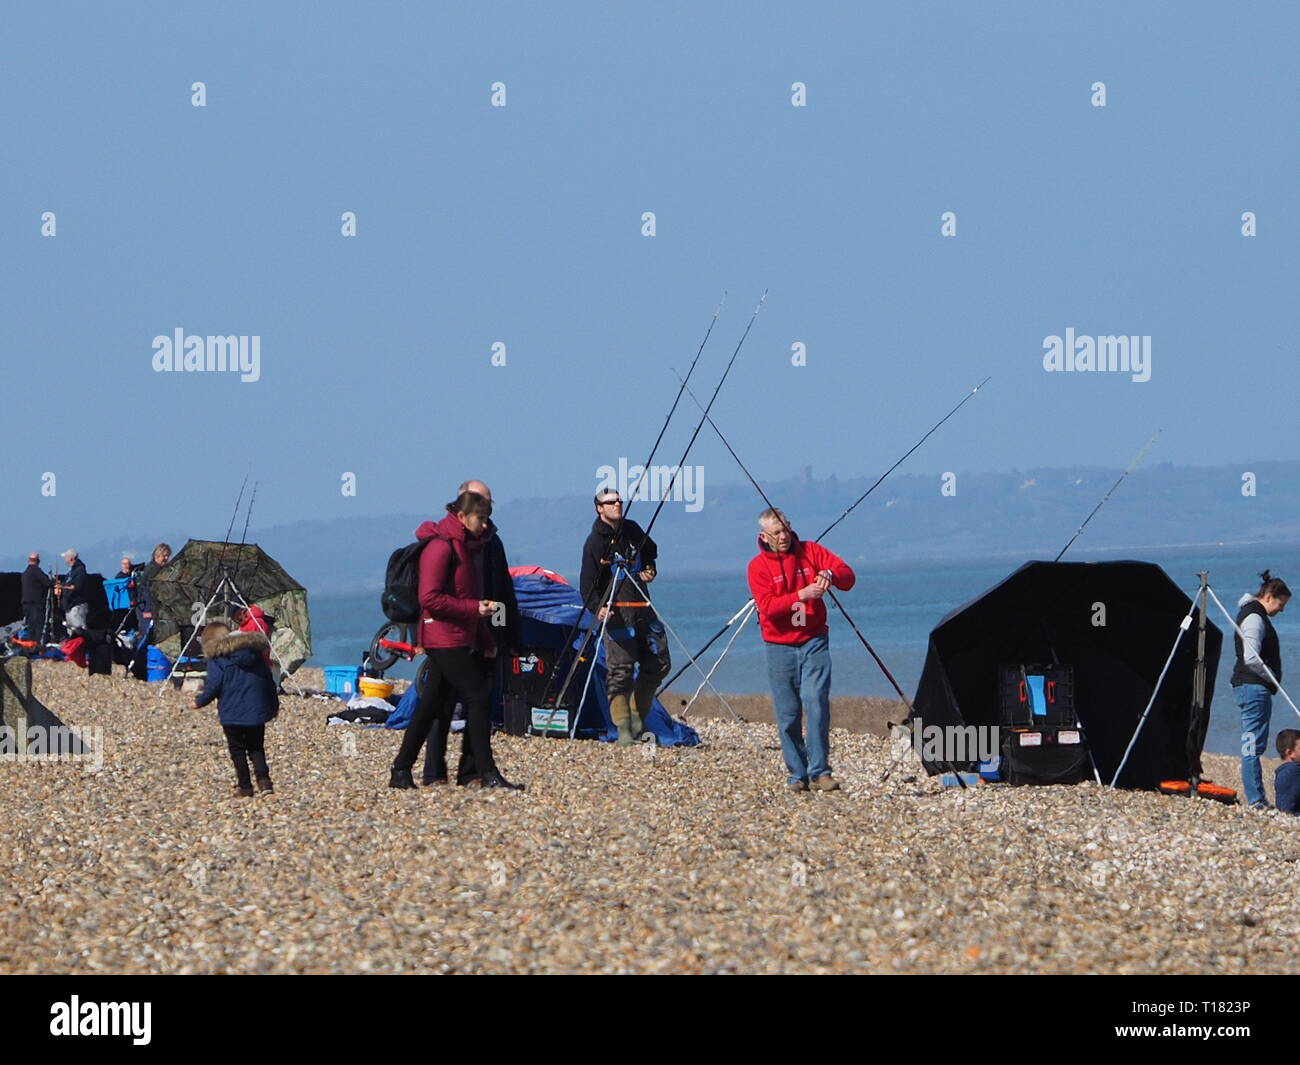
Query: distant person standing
71,591
634,635
788,579
1257,647
162,554
127,573
36,585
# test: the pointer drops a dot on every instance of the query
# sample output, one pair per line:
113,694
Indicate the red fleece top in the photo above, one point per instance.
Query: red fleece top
775,580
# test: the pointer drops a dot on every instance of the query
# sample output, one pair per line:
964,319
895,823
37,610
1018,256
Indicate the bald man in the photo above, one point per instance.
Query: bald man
36,589
497,583
497,586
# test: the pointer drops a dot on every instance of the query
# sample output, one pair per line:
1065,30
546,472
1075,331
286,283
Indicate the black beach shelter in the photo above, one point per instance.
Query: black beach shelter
1115,623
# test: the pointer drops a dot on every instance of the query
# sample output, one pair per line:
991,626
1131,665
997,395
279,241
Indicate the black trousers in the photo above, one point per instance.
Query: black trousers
435,750
247,742
34,614
456,673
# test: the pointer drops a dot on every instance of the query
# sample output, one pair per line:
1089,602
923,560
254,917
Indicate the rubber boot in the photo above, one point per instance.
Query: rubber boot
620,712
642,697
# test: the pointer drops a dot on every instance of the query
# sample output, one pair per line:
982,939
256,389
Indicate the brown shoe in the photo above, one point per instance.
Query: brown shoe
242,792
825,783
264,785
796,785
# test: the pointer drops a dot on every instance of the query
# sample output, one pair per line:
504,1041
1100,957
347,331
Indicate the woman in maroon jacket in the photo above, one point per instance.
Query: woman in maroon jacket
454,634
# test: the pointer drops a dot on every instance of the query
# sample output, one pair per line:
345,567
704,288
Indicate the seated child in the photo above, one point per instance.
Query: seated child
238,679
1286,785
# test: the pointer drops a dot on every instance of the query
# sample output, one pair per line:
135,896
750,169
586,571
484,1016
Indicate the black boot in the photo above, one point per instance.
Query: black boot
400,778
493,779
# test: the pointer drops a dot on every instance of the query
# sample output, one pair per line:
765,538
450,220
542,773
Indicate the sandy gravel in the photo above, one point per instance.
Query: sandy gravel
614,860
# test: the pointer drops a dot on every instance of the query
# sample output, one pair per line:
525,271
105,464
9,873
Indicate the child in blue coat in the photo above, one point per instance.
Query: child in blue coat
238,678
1286,786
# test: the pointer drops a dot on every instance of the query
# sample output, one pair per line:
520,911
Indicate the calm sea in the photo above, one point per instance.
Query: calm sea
895,606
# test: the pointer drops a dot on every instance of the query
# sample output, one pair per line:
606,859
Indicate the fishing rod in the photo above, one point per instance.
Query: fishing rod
221,558
243,539
700,424
1131,467
829,591
568,640
645,469
906,454
248,514
645,533
718,635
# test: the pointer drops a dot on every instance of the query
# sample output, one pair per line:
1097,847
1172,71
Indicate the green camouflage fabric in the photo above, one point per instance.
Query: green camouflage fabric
181,589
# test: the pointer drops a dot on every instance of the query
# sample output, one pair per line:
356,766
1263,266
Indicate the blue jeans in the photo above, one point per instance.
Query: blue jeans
1256,708
800,675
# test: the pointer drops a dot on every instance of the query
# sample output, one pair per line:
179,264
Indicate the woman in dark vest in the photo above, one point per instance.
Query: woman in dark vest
1251,684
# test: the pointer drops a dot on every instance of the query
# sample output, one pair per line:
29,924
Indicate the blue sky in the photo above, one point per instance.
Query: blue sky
522,224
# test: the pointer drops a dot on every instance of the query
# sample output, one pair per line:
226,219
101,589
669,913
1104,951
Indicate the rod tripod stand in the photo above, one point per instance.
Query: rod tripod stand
1200,605
620,571
236,597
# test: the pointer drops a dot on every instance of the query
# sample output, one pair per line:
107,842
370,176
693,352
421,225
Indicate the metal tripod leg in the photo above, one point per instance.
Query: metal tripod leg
595,655
700,669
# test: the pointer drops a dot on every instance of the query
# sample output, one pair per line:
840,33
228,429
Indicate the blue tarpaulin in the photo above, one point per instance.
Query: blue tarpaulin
119,596
547,611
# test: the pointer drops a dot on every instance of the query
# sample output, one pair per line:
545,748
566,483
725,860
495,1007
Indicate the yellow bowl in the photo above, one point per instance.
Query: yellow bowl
376,689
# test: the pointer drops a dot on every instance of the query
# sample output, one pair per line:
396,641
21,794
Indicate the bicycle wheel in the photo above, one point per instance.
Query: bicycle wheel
382,658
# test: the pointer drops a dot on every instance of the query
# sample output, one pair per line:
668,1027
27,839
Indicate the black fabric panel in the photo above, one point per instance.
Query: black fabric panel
1043,613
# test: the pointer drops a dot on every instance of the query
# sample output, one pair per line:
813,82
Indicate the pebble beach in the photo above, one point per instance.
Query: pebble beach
615,860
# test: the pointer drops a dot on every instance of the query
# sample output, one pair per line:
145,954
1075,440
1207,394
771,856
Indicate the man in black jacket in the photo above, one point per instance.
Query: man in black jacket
634,635
36,586
72,593
500,588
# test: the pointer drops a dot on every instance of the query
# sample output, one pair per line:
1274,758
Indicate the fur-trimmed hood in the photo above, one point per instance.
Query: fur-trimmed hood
236,641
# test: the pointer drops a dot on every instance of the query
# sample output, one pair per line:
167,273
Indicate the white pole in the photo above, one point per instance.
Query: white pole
1183,626
202,620
693,661
595,657
744,621
284,673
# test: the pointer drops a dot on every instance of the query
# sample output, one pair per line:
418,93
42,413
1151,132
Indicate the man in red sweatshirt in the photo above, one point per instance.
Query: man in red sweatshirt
788,579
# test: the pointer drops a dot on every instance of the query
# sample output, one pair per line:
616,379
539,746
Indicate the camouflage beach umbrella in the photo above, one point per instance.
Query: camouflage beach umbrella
181,589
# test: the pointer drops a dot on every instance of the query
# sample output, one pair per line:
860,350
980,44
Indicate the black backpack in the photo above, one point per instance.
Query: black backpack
400,601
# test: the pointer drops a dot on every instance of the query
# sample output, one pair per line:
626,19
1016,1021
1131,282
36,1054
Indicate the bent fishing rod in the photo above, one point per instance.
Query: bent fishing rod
853,506
645,534
568,640
830,590
1131,467
847,511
